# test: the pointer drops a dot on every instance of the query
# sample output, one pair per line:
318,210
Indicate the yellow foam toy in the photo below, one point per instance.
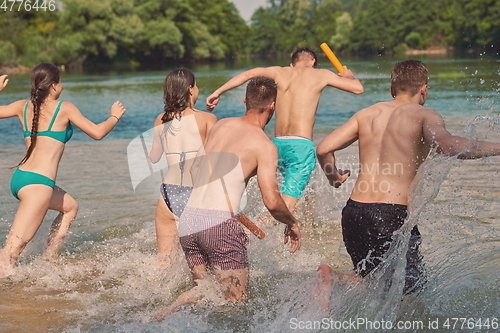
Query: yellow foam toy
331,56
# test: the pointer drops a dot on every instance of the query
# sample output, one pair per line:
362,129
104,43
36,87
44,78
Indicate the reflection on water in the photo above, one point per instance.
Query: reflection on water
108,280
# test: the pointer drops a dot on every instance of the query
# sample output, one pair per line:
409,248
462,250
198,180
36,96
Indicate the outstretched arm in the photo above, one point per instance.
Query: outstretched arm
339,139
437,136
238,80
95,131
13,109
465,148
345,81
266,178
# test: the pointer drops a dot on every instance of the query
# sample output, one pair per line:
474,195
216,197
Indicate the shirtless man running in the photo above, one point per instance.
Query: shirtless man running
210,234
395,138
299,90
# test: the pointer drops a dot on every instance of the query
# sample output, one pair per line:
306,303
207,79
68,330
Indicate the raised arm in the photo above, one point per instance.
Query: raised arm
266,178
345,81
436,135
3,81
95,131
238,80
339,139
13,109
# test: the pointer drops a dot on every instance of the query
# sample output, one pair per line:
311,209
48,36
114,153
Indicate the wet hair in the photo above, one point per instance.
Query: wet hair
304,51
176,96
42,77
408,76
260,92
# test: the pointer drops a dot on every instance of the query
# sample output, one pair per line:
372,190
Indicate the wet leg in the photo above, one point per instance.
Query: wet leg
323,286
234,284
290,202
34,201
68,208
166,233
191,296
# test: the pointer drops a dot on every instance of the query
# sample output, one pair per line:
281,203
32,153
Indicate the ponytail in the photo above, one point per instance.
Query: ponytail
42,77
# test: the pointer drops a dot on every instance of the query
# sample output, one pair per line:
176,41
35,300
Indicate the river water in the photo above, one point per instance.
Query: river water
107,278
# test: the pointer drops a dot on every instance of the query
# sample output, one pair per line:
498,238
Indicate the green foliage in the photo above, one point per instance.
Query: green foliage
7,52
478,22
344,26
101,26
264,27
223,22
289,24
354,7
374,30
128,30
414,40
151,31
420,24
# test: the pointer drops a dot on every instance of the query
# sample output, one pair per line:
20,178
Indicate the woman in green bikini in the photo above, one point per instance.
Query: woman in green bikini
46,124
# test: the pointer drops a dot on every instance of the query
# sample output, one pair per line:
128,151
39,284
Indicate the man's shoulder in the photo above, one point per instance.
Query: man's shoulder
264,147
226,124
228,120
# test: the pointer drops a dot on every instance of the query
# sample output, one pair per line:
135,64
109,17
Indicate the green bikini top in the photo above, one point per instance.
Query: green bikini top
63,136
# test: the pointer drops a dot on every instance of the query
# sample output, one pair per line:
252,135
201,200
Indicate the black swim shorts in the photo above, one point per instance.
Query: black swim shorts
367,229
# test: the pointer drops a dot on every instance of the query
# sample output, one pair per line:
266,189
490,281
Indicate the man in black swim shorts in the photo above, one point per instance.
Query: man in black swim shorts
394,137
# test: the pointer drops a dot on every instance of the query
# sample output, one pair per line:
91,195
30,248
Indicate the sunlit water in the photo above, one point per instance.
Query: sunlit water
108,280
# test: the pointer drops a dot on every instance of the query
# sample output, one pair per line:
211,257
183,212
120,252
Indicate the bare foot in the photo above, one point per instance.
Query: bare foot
323,286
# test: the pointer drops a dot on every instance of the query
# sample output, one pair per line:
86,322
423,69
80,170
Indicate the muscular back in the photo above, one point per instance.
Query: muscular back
230,158
392,147
299,90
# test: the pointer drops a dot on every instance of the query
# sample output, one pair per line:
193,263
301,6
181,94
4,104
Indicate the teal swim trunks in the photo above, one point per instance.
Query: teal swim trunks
296,162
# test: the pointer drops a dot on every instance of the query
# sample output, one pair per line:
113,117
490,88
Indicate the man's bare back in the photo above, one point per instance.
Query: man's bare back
242,138
392,147
395,137
299,91
210,235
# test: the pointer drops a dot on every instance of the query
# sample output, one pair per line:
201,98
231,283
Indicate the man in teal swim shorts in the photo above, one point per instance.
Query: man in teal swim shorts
299,90
297,160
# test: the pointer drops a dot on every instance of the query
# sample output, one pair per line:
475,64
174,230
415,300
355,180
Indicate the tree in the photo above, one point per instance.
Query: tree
222,21
477,23
289,24
375,29
341,38
100,27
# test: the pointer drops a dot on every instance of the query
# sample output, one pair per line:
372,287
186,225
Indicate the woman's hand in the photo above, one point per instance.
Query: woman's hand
117,110
3,81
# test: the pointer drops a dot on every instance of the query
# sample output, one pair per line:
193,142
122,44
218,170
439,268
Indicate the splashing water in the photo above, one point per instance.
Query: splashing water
112,282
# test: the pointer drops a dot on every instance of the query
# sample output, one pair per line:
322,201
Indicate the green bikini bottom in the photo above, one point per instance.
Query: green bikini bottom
22,178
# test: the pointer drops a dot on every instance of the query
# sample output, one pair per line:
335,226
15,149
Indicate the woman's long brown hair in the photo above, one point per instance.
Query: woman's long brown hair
176,94
42,77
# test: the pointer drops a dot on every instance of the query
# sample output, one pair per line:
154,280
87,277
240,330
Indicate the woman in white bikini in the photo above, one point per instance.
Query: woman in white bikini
180,131
46,124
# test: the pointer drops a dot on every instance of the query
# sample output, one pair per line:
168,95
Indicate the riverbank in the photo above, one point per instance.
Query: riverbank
432,50
18,69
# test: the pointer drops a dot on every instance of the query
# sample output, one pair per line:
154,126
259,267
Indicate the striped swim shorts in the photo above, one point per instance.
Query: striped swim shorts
219,241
